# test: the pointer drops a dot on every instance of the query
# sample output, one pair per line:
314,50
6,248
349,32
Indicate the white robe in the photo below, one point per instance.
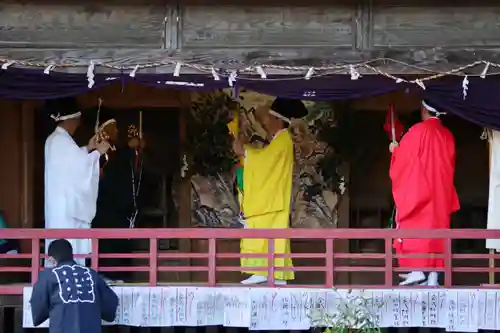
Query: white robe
71,186
494,192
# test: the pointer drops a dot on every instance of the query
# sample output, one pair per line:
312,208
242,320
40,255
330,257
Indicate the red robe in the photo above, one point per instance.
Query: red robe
422,172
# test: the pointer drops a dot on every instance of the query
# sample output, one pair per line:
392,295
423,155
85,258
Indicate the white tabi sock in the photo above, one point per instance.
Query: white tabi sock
255,279
413,278
433,279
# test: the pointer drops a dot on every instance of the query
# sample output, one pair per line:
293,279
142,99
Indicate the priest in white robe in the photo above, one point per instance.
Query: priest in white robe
494,191
71,176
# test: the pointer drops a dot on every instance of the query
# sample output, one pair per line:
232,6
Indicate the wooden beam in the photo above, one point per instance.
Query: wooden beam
439,59
267,26
82,24
429,23
130,96
363,22
172,26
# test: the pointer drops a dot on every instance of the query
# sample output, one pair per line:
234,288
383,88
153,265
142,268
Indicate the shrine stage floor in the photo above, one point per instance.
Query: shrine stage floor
266,308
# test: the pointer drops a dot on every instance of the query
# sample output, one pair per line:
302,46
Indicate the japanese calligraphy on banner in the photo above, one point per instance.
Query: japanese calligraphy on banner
455,310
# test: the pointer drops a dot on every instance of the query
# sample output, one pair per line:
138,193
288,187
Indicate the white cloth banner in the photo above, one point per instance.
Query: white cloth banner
456,310
494,190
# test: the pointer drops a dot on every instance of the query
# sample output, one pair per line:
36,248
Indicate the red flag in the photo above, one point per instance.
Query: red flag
392,125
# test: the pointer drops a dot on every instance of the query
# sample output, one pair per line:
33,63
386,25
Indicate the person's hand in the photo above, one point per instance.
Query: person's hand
134,143
103,147
393,145
238,148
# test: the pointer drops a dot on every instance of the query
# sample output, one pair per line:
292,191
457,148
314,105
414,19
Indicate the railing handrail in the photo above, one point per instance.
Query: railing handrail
210,236
223,233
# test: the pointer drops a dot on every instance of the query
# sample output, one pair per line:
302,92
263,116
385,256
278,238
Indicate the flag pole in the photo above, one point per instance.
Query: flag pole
140,124
393,126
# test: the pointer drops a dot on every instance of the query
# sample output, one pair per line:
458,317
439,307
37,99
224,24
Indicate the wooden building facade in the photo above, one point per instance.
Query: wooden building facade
422,34
219,33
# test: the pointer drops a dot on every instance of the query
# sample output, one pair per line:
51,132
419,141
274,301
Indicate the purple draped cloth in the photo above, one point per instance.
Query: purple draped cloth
481,106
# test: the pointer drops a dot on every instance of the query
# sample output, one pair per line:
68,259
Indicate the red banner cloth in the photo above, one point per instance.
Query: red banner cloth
389,120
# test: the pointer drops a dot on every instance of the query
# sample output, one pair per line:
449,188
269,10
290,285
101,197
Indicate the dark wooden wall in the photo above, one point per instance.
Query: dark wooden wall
82,24
427,33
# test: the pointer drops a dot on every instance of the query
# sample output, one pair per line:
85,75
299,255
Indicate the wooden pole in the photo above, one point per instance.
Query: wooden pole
184,192
492,265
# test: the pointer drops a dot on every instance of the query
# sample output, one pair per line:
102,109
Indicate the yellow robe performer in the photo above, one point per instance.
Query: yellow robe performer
267,190
267,179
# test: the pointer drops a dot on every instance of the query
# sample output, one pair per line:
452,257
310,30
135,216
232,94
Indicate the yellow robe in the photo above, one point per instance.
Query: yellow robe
267,179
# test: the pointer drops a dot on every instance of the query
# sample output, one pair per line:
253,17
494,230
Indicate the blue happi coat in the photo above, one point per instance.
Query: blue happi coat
75,299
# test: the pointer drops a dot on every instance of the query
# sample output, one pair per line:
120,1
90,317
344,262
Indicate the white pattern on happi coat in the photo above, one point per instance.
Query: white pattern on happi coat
71,185
75,284
494,192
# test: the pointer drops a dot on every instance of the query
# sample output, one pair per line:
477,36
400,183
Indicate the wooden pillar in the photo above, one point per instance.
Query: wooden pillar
27,139
184,193
16,173
10,166
27,171
344,221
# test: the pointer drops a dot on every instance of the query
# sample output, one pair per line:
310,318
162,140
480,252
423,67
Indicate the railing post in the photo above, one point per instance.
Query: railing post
212,262
94,256
388,262
153,261
270,261
448,271
35,257
329,260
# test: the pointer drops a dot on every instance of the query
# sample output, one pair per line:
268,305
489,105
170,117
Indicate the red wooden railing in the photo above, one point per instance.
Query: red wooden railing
329,236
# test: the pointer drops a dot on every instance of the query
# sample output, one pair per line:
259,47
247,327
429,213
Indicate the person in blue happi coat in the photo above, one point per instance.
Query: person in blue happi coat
75,298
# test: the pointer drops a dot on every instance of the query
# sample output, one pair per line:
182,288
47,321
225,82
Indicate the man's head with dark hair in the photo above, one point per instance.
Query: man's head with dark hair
65,113
60,250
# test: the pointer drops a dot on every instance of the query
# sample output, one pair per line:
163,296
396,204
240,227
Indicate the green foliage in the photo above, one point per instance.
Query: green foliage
209,143
353,314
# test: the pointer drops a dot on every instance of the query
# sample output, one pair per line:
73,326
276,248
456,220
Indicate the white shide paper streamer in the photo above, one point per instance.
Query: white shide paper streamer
456,310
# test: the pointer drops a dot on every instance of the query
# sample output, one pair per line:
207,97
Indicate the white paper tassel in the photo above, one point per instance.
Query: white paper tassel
261,72
342,186
6,65
177,70
47,70
399,80
232,78
465,86
354,73
215,75
309,73
134,71
184,167
420,83
90,74
484,134
485,71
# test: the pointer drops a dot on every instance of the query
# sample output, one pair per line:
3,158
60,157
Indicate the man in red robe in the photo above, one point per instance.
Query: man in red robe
422,172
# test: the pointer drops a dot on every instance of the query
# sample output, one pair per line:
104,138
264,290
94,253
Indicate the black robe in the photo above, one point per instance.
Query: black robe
115,205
